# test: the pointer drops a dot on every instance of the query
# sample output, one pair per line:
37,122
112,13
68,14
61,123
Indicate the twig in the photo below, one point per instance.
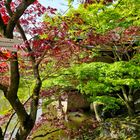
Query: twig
13,130
12,117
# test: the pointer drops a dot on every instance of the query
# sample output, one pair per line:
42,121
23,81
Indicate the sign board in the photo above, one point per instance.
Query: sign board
9,43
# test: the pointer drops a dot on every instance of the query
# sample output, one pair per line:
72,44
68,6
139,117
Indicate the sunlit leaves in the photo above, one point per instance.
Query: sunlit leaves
97,24
102,18
3,67
98,77
108,102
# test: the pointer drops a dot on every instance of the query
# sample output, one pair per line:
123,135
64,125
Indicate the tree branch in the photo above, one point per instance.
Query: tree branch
15,17
2,25
35,95
8,8
41,58
26,121
36,90
13,130
11,117
3,88
124,94
1,135
11,93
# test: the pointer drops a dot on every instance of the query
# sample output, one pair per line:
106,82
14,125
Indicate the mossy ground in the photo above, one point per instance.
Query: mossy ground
118,128
61,129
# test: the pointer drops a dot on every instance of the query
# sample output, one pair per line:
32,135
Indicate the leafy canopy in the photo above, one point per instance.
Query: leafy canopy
100,81
102,18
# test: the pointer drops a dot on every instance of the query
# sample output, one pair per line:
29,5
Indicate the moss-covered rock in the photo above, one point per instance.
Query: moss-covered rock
119,129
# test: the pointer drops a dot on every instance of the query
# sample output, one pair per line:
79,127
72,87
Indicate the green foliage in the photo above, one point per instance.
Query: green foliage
70,1
57,80
24,92
110,103
5,106
99,77
97,80
101,82
94,19
102,18
25,89
136,59
103,75
47,101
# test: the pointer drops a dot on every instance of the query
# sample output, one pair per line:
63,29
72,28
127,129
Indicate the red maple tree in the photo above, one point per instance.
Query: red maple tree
21,18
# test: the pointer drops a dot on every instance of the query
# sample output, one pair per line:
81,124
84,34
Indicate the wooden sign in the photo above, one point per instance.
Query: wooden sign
9,43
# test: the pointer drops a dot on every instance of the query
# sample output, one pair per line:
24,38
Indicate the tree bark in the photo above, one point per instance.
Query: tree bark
1,135
2,26
131,106
95,107
128,98
10,92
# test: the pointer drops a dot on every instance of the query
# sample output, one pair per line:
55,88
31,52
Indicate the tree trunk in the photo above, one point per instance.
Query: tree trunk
96,111
131,111
128,98
1,135
130,106
24,130
26,121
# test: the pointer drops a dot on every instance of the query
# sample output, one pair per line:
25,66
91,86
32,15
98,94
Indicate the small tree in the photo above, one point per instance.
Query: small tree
120,78
111,28
15,19
103,83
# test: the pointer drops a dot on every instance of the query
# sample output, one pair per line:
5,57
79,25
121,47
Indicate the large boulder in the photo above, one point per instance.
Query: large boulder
77,101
